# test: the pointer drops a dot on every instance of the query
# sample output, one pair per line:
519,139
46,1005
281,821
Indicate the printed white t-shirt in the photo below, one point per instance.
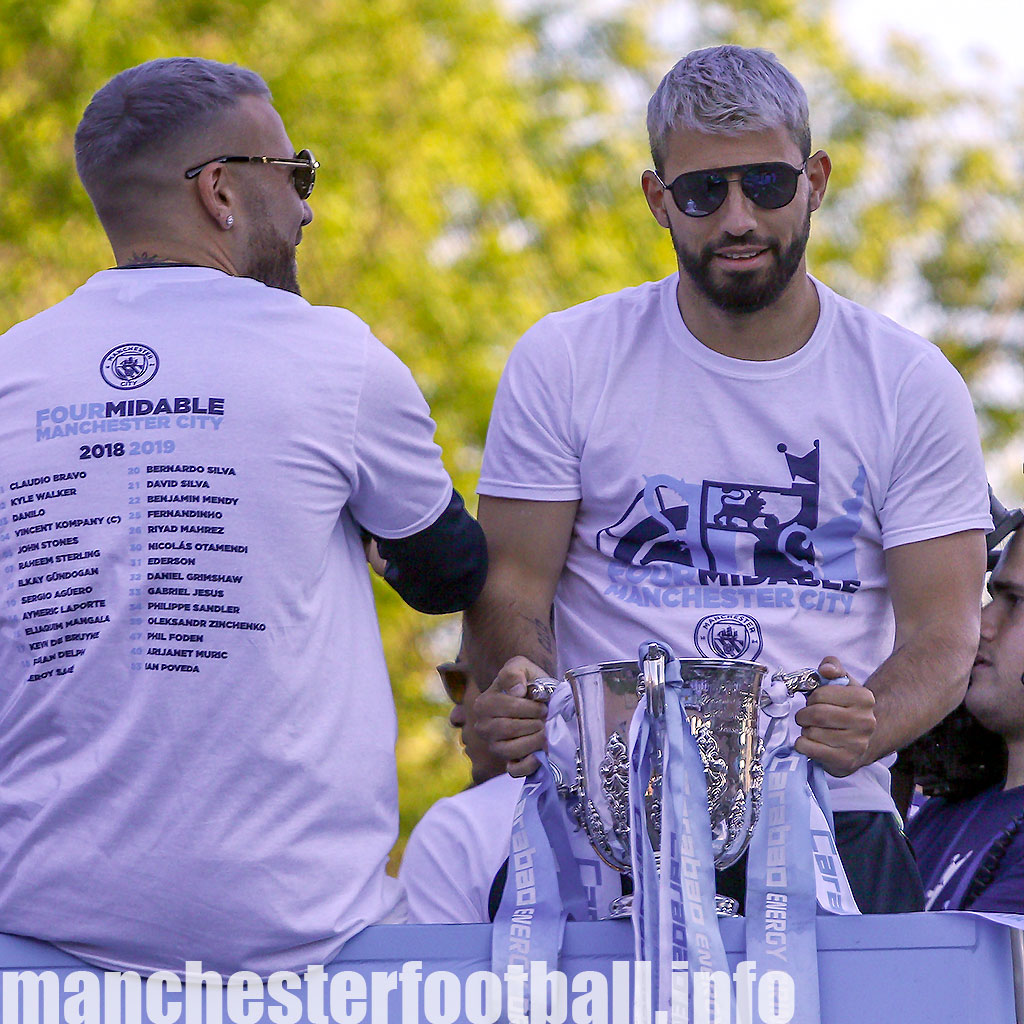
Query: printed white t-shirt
733,508
196,727
456,850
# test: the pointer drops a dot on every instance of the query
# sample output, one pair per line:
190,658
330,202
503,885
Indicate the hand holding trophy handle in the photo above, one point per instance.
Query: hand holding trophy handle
541,689
512,725
785,684
838,724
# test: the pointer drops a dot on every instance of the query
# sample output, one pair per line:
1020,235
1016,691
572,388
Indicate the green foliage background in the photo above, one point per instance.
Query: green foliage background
480,167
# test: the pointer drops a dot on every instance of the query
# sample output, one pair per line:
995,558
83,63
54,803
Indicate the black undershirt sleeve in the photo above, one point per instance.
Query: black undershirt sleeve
442,568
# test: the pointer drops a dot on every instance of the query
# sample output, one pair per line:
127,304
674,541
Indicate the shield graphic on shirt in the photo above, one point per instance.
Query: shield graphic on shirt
756,529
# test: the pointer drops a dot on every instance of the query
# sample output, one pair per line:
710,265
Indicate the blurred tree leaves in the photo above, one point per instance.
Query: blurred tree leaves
480,168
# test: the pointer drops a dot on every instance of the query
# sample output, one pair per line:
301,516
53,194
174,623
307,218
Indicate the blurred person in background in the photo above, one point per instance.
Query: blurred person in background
970,842
459,845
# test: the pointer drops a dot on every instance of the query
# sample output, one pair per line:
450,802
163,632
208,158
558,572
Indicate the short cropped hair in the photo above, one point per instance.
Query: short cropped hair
725,89
145,108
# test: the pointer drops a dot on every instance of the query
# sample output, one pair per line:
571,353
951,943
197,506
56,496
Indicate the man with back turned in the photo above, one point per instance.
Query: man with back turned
196,729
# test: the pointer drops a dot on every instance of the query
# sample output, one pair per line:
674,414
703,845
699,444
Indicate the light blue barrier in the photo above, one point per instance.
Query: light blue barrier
906,969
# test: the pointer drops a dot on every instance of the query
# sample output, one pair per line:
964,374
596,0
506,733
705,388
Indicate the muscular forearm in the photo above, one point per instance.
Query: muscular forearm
527,543
935,587
919,684
509,643
936,595
507,631
504,623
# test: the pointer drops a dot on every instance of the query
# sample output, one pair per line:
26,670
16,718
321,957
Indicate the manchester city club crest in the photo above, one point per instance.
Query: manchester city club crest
129,366
728,636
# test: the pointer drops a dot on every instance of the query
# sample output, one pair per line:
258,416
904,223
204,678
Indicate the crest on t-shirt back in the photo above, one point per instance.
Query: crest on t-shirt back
129,366
728,636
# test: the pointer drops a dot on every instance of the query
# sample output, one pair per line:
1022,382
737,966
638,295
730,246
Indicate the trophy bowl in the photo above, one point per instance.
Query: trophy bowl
721,699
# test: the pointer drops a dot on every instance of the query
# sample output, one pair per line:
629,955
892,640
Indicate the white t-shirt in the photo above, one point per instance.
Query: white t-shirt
196,727
456,850
734,508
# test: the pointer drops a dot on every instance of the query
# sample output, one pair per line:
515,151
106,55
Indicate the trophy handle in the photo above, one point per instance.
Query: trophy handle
803,680
541,689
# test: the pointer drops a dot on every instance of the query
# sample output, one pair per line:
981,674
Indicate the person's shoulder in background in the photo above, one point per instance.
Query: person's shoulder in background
455,851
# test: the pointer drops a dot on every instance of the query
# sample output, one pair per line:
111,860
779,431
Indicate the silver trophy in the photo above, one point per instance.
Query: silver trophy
721,699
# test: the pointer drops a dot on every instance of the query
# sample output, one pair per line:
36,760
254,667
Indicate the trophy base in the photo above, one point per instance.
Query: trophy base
725,906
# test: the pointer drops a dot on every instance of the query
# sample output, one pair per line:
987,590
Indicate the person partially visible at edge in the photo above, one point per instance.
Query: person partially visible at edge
196,728
971,850
740,462
461,842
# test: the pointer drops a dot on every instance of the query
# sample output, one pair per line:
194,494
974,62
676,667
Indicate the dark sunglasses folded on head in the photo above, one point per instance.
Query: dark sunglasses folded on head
303,175
770,186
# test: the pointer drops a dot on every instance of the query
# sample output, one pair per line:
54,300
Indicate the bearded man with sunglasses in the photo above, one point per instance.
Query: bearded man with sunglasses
742,463
196,728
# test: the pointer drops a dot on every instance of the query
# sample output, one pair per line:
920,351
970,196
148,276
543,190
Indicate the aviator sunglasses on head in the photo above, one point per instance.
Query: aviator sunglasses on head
770,186
303,176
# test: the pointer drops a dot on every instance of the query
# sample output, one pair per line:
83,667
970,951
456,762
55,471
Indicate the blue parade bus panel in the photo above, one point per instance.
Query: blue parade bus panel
938,968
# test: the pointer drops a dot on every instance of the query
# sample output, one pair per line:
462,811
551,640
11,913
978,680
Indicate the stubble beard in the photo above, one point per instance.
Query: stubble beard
744,292
272,262
271,258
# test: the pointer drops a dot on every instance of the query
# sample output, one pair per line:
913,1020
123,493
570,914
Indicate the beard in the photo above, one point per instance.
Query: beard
272,261
742,291
271,258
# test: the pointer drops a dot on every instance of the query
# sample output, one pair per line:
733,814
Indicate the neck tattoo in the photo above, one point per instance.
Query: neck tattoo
140,260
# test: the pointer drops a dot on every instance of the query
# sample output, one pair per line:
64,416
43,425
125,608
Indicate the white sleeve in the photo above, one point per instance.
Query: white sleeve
530,451
400,484
434,871
938,484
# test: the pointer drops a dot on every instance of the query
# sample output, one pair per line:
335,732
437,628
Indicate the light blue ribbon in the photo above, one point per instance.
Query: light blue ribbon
793,869
542,890
674,915
645,908
781,902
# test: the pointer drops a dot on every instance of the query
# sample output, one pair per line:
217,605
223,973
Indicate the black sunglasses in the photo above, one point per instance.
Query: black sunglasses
303,176
770,186
453,678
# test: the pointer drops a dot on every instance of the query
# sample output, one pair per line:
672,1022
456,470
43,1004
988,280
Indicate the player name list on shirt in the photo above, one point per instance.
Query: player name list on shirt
55,572
192,566
184,567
